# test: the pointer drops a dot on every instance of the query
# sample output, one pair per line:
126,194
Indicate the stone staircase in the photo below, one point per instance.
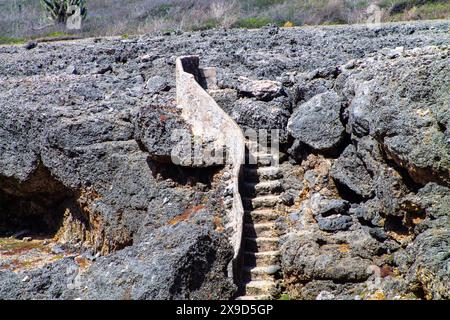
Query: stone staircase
260,192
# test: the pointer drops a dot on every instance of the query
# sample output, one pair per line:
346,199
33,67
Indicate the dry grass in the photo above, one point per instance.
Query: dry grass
24,18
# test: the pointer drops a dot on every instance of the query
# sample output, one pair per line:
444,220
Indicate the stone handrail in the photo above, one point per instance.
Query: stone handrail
213,125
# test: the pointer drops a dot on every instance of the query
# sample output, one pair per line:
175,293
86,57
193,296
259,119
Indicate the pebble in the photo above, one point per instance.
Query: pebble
351,64
226,176
325,295
56,249
72,70
20,234
31,45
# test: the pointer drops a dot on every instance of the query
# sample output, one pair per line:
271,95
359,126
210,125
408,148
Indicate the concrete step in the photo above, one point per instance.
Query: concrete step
263,159
253,259
259,287
260,244
260,216
259,145
262,174
262,188
268,201
263,229
259,297
260,272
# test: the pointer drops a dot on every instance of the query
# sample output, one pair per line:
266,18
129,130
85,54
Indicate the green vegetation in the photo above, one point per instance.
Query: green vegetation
21,20
438,10
11,41
207,24
7,40
435,10
284,296
56,34
253,23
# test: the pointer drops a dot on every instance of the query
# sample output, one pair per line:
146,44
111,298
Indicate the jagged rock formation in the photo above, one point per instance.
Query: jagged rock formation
85,144
396,112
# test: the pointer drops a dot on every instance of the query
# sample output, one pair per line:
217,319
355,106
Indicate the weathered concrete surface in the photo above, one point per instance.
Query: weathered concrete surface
218,131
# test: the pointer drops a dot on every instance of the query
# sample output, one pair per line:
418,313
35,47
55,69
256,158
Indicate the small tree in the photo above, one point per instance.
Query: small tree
61,10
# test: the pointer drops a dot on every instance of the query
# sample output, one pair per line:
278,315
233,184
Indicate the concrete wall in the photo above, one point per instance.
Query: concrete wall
213,126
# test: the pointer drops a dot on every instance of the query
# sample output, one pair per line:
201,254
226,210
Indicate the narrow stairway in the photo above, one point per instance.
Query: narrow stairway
260,192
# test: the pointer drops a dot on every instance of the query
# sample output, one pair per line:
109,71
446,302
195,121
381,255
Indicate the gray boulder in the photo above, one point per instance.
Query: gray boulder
52,282
334,223
185,261
425,263
317,122
265,90
334,206
403,103
305,257
182,262
251,113
156,85
350,171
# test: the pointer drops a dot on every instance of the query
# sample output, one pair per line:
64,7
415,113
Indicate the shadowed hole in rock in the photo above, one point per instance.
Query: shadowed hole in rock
395,224
413,217
32,207
347,194
406,178
183,176
191,65
418,291
442,127
42,208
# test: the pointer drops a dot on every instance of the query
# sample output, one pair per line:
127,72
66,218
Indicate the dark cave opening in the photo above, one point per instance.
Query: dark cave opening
347,194
395,224
35,207
419,291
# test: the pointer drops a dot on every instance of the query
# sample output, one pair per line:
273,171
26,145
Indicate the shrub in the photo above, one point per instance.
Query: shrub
162,10
253,23
8,40
284,296
24,19
264,3
417,9
434,11
207,24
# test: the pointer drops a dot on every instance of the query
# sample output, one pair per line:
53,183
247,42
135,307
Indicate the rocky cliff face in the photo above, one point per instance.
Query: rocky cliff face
386,195
85,164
